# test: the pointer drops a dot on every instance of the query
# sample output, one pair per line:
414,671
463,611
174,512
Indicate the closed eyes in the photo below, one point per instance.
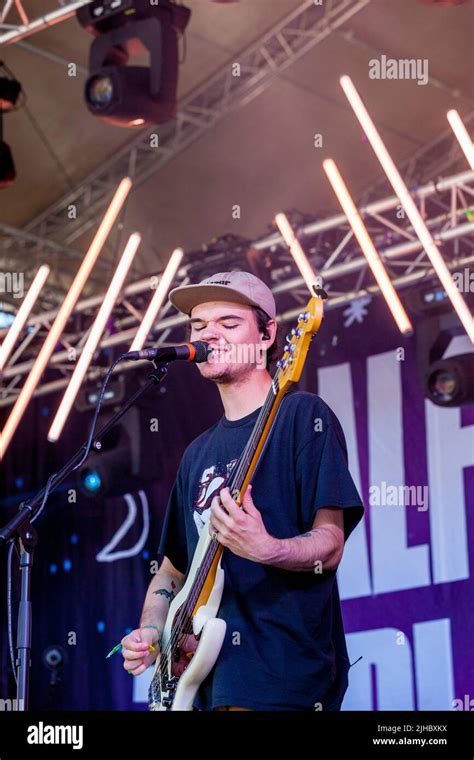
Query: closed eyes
227,327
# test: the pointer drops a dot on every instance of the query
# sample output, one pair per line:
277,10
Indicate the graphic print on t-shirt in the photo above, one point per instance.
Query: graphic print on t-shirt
210,483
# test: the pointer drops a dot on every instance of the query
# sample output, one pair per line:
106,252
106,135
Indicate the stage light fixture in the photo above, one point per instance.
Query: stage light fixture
133,96
90,482
446,376
9,92
7,166
7,315
450,382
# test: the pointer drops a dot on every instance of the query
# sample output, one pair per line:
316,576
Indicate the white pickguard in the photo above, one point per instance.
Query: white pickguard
212,637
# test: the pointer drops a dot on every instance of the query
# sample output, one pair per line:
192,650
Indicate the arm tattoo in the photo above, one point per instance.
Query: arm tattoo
170,595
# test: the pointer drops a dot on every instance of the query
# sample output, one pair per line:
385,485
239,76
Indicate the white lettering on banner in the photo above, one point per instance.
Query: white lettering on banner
433,665
335,387
393,671
450,448
393,662
395,565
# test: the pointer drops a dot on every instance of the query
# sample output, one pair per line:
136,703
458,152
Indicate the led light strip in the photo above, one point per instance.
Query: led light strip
409,206
463,136
301,260
64,313
23,313
94,337
157,300
368,248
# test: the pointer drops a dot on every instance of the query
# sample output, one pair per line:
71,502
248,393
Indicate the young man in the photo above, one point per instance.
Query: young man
284,647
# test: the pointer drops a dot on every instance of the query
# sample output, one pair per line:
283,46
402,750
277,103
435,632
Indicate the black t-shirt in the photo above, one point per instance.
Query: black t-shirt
284,647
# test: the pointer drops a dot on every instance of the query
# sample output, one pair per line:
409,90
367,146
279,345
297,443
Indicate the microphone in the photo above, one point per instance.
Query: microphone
197,351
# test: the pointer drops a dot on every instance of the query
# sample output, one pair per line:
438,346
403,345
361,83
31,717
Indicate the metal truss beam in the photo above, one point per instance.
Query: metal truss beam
21,31
448,208
290,39
425,275
439,157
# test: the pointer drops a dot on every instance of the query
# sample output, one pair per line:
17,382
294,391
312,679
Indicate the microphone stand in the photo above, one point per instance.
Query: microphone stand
21,524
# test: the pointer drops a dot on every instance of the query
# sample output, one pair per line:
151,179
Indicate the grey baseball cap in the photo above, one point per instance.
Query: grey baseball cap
236,287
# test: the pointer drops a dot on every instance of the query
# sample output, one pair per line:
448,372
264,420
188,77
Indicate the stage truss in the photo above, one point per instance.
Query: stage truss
448,209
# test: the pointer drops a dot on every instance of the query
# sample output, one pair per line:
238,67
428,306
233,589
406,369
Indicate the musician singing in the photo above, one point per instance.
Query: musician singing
284,647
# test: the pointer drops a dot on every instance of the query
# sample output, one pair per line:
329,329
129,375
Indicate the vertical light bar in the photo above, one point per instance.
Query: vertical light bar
94,336
462,135
23,313
368,248
296,251
64,313
157,300
401,190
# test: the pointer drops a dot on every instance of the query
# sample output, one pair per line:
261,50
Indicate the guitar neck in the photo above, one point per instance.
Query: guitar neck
248,460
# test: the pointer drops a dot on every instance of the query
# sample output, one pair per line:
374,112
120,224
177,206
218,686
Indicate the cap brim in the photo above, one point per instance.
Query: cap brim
186,297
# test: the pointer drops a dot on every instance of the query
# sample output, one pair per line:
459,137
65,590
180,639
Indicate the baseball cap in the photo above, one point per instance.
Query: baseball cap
237,287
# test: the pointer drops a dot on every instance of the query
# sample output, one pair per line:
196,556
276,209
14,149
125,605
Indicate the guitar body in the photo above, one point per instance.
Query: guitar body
205,625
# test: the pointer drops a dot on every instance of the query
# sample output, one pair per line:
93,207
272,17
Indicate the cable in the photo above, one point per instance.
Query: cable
9,607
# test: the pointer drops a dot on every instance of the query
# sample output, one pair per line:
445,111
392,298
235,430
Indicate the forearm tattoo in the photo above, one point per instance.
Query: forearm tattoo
170,595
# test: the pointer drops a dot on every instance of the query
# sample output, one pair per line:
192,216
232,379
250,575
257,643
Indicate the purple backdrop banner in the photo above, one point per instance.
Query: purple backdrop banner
405,580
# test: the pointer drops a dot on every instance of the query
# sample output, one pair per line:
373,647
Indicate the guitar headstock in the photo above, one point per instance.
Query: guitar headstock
298,341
